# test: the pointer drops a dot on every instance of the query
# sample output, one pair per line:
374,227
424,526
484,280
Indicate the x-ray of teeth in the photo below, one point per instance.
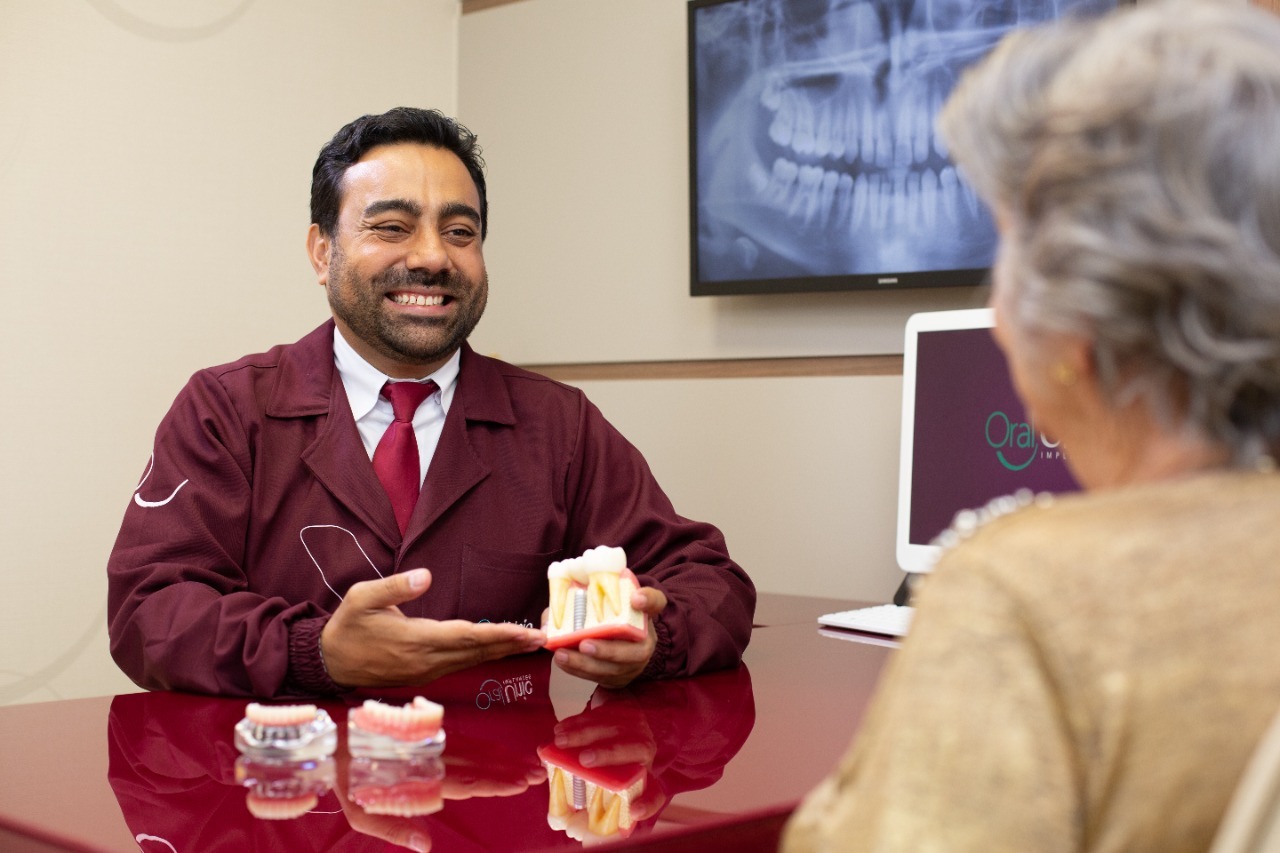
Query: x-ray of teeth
815,152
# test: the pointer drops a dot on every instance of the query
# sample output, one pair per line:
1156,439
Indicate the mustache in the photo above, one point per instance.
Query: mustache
446,279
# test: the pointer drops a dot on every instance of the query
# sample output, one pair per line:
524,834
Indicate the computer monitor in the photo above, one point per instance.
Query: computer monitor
965,436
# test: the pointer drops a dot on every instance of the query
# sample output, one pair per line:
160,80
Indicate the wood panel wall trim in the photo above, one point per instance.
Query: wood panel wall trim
469,6
744,368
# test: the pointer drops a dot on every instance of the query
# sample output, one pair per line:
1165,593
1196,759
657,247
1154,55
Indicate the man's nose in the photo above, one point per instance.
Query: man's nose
428,251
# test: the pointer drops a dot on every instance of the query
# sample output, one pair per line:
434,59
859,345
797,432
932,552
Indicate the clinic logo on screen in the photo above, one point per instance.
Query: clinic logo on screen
1018,444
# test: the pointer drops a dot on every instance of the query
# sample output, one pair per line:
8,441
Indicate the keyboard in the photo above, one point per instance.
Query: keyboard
892,620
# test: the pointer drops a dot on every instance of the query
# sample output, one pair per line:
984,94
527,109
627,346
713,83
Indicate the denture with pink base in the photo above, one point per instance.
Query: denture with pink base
389,731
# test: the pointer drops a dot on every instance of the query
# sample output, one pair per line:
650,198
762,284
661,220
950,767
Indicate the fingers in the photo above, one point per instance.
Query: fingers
390,591
612,663
648,600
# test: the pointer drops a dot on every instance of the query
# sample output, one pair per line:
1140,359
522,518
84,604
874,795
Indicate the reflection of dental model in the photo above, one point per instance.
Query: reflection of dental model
379,730
286,732
397,787
591,598
283,790
590,803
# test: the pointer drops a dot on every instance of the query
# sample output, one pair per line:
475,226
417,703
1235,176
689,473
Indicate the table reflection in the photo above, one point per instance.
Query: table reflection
182,785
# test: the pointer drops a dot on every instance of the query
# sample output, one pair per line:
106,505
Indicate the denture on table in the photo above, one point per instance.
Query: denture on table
591,599
393,731
590,803
286,732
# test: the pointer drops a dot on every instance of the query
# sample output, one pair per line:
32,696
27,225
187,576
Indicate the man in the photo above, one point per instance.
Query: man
262,554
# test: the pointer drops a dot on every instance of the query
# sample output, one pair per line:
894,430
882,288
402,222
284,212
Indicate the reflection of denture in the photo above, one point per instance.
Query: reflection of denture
380,730
590,803
397,787
591,598
286,732
283,790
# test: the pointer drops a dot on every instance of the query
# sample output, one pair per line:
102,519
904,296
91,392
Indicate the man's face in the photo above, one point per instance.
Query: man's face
404,269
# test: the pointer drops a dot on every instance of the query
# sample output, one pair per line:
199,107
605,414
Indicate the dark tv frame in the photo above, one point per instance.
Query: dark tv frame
887,279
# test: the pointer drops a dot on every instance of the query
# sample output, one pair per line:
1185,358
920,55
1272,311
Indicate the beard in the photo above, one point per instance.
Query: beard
361,304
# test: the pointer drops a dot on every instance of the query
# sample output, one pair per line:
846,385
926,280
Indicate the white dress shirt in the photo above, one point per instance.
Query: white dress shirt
363,383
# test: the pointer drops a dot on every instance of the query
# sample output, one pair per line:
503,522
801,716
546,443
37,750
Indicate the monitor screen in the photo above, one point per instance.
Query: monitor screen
965,436
813,158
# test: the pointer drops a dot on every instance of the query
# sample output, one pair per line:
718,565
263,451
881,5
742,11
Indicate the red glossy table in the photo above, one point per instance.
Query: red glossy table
723,758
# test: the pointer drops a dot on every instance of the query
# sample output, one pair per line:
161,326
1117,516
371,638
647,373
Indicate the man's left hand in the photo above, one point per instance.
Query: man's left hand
616,663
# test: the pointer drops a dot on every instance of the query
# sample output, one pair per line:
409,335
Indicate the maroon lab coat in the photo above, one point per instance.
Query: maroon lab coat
259,508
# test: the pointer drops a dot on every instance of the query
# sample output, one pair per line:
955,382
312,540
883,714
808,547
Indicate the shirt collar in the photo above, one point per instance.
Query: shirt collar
363,382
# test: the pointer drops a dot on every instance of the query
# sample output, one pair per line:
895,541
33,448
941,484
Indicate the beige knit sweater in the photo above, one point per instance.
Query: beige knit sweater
1088,676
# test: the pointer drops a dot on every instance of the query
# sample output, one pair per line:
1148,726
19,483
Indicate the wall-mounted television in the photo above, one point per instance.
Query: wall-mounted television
813,160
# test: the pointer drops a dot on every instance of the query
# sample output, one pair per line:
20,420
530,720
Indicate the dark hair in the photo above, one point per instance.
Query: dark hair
402,124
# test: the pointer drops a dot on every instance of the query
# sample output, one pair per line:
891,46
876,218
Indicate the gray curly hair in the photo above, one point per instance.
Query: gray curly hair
1138,159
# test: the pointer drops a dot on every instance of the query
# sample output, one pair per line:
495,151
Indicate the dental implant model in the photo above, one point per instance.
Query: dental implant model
286,732
286,760
378,730
591,599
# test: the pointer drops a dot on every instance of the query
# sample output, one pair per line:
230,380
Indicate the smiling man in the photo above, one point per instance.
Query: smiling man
281,543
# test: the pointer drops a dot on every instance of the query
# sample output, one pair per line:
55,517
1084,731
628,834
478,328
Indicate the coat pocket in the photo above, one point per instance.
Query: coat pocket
502,586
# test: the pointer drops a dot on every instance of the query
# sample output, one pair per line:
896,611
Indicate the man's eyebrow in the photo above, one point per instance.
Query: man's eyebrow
459,208
400,205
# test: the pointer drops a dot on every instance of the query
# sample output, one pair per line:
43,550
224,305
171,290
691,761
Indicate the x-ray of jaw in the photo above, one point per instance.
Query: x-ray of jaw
816,152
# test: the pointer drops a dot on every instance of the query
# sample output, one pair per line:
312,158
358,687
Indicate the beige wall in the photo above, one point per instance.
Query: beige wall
154,168
582,108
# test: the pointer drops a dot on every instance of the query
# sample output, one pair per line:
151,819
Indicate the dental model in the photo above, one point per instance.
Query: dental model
590,803
591,598
397,787
286,732
379,730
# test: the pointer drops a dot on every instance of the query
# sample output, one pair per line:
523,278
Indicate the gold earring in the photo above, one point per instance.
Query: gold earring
1064,374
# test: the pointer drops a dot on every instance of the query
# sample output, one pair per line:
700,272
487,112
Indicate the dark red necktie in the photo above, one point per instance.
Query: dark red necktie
395,461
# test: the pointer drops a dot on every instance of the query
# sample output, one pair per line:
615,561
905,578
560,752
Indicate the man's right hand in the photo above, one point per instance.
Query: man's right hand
368,642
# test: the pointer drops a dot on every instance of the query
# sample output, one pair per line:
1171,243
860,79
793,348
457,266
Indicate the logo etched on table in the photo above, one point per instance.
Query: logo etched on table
1017,444
504,692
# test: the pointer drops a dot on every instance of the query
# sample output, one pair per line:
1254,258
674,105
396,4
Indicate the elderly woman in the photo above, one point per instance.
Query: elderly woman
1093,674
